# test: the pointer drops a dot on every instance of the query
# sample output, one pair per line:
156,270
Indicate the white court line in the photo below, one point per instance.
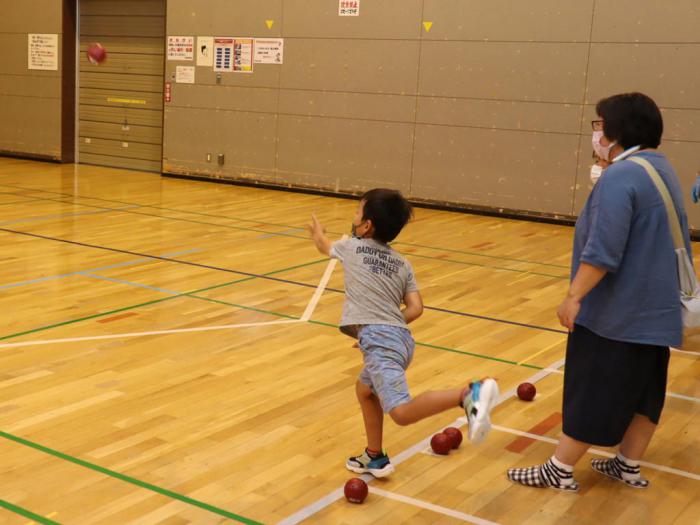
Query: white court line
320,288
554,370
318,505
681,396
669,394
546,439
334,496
142,334
307,315
686,352
429,506
551,369
337,494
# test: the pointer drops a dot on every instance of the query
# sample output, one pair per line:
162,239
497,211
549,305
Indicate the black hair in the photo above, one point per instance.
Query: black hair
631,119
389,212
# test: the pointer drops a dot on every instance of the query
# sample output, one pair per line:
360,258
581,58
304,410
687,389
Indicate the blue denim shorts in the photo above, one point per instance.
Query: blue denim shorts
387,351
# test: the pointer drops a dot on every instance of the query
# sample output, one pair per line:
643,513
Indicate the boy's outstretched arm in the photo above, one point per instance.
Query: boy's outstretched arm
414,306
318,234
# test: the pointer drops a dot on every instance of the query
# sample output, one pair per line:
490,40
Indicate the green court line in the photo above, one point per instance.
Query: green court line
281,234
453,350
488,266
251,308
513,259
27,513
155,301
267,223
227,226
193,293
491,358
304,237
129,479
22,202
259,310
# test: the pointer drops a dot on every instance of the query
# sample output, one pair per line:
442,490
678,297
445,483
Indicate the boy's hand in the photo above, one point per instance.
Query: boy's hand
318,234
315,227
414,306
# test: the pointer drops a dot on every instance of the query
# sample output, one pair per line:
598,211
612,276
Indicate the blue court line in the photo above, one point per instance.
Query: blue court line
21,202
130,283
288,230
64,215
102,268
434,308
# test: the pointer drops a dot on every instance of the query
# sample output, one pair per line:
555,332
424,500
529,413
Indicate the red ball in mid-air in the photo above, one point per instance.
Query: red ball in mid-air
96,54
526,391
356,490
441,444
455,435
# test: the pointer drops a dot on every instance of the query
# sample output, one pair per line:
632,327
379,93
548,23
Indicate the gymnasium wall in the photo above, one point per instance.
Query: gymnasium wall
476,104
30,100
489,107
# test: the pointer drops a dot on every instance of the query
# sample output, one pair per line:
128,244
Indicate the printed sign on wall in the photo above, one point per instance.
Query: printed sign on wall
205,51
234,54
269,50
223,54
348,7
42,51
180,47
184,74
243,55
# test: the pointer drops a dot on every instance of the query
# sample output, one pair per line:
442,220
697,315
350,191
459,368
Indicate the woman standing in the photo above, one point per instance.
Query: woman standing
623,306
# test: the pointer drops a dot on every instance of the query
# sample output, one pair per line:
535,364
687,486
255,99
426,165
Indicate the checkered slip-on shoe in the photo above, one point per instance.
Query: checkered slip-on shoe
379,467
615,468
547,475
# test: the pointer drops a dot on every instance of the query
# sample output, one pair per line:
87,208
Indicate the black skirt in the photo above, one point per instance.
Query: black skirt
607,382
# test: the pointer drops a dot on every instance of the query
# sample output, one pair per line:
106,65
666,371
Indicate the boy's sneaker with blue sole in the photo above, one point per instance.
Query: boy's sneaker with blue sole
379,467
478,403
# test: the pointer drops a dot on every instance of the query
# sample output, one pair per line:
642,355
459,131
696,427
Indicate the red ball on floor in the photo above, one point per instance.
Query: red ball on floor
526,391
441,444
455,435
356,490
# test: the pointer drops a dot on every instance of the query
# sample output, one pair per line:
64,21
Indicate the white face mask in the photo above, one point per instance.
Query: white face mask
596,172
603,152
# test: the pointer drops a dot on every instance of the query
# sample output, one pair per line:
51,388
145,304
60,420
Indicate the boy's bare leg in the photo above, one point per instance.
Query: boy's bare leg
427,404
372,414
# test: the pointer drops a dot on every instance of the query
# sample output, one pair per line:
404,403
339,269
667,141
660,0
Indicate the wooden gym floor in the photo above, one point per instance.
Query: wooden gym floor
128,405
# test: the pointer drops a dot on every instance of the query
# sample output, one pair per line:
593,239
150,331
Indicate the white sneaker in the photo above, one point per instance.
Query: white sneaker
379,467
478,405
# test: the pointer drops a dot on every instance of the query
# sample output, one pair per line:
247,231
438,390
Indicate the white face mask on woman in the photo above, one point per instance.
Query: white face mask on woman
603,152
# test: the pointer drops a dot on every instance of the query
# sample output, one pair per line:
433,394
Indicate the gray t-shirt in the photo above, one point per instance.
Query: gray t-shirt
376,280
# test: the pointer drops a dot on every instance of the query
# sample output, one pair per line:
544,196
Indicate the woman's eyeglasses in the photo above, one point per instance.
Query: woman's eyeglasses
597,125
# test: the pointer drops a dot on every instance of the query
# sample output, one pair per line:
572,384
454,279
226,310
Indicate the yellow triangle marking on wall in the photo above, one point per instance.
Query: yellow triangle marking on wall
427,26
269,23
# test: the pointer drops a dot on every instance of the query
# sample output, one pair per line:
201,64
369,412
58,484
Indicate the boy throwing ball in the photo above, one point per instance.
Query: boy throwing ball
378,280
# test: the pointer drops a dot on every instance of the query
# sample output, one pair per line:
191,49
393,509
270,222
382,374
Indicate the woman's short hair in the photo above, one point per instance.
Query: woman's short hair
631,119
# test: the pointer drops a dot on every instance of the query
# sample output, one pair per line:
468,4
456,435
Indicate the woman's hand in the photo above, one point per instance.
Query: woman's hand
567,312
